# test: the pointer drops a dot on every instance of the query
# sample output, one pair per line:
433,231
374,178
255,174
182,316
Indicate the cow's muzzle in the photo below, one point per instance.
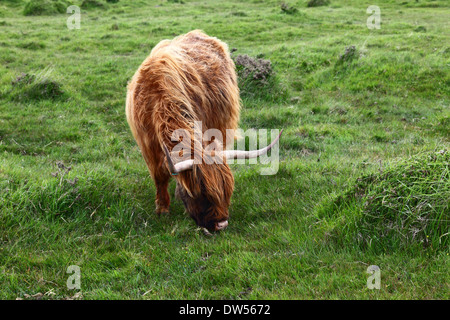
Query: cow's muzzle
221,225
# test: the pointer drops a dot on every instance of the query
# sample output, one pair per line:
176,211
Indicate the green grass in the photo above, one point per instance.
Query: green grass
74,189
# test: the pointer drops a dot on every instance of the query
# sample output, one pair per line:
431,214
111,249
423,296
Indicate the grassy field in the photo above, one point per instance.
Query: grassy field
364,158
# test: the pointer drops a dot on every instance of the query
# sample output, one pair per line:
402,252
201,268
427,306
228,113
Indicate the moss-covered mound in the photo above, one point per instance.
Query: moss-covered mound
39,86
404,206
258,80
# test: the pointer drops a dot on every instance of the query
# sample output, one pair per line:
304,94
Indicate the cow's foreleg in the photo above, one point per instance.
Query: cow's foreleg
154,158
162,201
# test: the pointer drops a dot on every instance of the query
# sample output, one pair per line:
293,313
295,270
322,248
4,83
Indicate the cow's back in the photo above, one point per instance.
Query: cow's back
191,76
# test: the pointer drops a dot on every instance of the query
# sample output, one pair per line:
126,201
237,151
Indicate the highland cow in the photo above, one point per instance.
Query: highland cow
184,81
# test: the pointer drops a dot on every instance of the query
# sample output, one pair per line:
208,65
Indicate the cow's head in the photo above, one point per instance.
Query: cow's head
208,201
206,192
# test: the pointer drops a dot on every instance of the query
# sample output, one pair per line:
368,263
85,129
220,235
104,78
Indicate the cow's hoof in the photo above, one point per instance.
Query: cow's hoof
162,212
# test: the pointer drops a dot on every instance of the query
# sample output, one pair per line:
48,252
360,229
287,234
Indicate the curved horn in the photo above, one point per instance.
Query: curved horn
240,154
180,166
228,154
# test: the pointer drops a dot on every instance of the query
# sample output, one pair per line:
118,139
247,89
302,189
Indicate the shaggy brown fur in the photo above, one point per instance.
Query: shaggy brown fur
187,79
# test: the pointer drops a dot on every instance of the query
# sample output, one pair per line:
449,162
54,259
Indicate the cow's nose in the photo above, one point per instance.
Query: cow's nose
221,225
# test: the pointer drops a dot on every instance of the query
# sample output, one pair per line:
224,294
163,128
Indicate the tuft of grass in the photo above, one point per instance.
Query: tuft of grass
420,29
32,45
349,55
405,206
317,3
286,8
88,4
44,7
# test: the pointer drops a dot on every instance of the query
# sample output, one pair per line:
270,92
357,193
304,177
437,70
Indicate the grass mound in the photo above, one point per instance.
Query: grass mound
35,87
286,8
258,80
317,3
44,7
88,4
404,206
